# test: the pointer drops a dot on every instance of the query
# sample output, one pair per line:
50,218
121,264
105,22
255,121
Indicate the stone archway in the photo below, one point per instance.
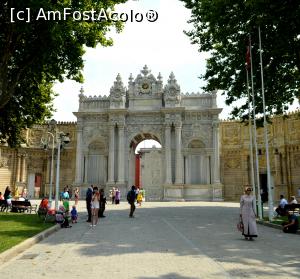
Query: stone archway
186,125
145,167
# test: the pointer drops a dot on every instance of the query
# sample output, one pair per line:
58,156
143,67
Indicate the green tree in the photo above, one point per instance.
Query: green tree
35,54
222,27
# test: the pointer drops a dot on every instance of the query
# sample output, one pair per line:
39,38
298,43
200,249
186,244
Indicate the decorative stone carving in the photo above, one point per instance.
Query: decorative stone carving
232,135
145,85
117,94
4,162
297,160
233,163
172,92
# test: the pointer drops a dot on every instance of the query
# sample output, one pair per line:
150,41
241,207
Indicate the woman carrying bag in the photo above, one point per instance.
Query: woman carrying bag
247,214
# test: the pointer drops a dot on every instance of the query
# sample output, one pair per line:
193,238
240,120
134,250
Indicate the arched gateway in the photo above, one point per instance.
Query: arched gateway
186,125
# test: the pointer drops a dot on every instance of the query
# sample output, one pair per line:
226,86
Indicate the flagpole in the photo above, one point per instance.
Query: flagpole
270,198
260,213
251,142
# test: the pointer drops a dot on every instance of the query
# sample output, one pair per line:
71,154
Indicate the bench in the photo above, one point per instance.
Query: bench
22,206
292,207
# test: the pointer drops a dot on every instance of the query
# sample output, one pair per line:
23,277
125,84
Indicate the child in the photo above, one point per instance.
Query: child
61,217
74,214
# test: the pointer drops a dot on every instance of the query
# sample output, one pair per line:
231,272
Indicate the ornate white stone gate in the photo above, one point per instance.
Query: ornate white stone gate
186,125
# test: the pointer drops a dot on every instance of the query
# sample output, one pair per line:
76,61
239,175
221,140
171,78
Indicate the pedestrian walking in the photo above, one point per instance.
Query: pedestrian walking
88,199
102,204
117,196
113,195
131,197
76,196
139,197
143,192
66,198
95,206
247,213
74,214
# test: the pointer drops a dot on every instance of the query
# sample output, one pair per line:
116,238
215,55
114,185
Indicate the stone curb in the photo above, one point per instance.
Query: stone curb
21,247
275,226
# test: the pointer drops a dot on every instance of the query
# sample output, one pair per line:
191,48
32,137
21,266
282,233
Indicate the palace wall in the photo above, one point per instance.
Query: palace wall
284,154
22,166
30,164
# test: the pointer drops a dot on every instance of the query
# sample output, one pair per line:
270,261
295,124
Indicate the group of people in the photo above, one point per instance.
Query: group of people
95,204
248,215
96,201
115,195
282,207
8,196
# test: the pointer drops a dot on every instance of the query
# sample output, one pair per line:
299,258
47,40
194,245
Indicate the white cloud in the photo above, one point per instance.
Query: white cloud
161,45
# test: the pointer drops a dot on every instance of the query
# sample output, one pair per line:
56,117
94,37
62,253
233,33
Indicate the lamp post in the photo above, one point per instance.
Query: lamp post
51,171
61,139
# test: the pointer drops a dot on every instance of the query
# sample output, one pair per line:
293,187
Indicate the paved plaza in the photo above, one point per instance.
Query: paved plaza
164,240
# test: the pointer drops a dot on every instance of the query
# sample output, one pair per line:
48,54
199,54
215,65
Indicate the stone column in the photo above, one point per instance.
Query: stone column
179,167
216,176
79,158
207,170
111,155
48,169
121,155
86,162
168,154
23,178
18,168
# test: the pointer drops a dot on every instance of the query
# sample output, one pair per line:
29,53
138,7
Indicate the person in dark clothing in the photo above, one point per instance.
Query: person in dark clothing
102,204
292,225
89,194
131,198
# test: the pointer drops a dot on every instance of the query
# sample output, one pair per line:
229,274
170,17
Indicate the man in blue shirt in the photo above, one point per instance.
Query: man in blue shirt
131,197
280,209
292,225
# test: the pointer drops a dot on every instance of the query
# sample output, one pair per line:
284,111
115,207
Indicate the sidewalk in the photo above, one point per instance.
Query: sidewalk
164,240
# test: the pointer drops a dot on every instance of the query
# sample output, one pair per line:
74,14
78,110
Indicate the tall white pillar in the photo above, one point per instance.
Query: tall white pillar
111,155
18,167
79,157
86,163
121,165
23,177
179,166
168,154
216,153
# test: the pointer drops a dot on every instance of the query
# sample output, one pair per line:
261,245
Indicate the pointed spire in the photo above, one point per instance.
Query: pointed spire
119,79
130,78
145,70
172,77
81,91
159,77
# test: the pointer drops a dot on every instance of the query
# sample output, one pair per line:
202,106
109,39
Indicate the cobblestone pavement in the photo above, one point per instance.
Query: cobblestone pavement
164,240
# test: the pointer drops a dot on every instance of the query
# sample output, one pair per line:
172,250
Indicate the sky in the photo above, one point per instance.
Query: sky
161,45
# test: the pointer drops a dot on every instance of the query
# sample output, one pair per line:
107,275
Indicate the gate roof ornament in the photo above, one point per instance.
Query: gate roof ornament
147,93
117,94
172,92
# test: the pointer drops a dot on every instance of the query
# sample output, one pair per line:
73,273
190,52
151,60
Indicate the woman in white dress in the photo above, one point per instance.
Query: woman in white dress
247,212
95,206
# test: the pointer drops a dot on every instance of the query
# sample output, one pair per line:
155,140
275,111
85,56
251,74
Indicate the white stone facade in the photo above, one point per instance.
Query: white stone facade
110,128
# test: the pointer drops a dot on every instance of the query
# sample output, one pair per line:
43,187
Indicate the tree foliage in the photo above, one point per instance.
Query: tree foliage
35,54
222,27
